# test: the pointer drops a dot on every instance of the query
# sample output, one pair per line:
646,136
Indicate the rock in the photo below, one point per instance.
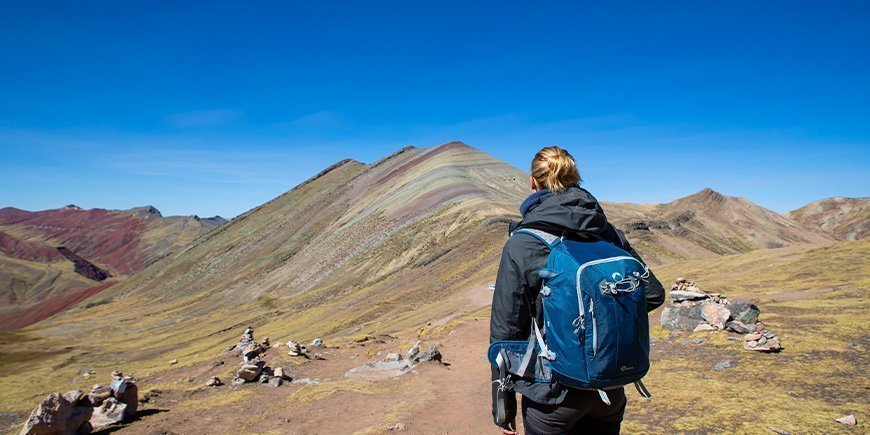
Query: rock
392,357
682,280
278,373
715,314
704,327
699,340
744,312
173,362
751,344
752,336
683,295
275,381
249,372
265,341
737,326
129,396
238,381
722,365
431,354
396,426
733,339
214,382
413,351
252,350
759,327
768,334
264,378
110,412
58,413
681,318
319,356
849,419
317,342
762,341
295,349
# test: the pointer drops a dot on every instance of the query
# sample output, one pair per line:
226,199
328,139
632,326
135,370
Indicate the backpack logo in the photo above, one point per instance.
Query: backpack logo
625,368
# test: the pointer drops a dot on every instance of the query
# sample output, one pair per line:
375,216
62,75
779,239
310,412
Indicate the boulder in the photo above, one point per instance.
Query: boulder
744,312
58,413
130,398
681,318
278,373
249,372
110,412
715,314
737,326
430,354
704,327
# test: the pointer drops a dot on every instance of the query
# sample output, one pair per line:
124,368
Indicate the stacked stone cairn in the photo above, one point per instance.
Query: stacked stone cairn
693,309
76,412
253,369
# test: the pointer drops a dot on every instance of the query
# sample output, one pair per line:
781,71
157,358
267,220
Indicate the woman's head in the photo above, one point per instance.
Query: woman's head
554,169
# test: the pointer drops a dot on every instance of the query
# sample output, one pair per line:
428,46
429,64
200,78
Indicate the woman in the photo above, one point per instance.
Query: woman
558,206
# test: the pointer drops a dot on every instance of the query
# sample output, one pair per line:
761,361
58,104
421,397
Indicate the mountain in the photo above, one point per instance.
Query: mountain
841,218
707,224
44,255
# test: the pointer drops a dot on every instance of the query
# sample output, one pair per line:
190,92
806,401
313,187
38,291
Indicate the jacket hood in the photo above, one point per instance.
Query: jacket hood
573,210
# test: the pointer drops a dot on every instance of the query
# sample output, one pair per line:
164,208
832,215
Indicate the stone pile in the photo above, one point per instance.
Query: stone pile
693,309
762,340
76,412
253,369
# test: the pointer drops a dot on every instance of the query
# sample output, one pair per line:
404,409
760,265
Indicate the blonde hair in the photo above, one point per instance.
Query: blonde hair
555,169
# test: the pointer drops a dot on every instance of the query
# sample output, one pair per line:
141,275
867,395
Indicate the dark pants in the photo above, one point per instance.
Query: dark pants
582,411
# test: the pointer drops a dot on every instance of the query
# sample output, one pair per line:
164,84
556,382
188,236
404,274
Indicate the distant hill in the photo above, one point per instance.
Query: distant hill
44,255
707,224
842,218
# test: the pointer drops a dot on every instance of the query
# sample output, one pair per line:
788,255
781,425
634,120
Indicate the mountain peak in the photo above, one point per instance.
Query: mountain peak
147,210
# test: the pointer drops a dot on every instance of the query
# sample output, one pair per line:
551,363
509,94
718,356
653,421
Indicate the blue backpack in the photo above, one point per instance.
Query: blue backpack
595,328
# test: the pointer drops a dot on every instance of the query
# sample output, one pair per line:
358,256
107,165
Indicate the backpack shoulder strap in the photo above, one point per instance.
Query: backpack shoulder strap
546,238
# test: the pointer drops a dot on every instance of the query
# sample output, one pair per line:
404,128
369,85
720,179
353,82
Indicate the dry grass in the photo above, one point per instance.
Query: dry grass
820,376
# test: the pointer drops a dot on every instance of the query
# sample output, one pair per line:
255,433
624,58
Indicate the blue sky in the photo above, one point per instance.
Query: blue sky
216,107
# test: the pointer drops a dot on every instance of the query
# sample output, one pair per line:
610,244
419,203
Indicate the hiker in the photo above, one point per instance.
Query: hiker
558,206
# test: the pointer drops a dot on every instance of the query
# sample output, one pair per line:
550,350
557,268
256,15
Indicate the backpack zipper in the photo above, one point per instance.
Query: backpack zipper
594,328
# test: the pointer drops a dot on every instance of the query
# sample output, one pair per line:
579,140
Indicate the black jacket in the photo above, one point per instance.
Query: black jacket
572,211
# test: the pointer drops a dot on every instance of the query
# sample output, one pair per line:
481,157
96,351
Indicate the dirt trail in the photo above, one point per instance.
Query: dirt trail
432,398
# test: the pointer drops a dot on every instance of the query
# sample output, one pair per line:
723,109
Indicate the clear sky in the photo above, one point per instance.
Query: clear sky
216,107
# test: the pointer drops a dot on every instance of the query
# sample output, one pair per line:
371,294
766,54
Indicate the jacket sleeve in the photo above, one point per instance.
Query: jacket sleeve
516,286
655,292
